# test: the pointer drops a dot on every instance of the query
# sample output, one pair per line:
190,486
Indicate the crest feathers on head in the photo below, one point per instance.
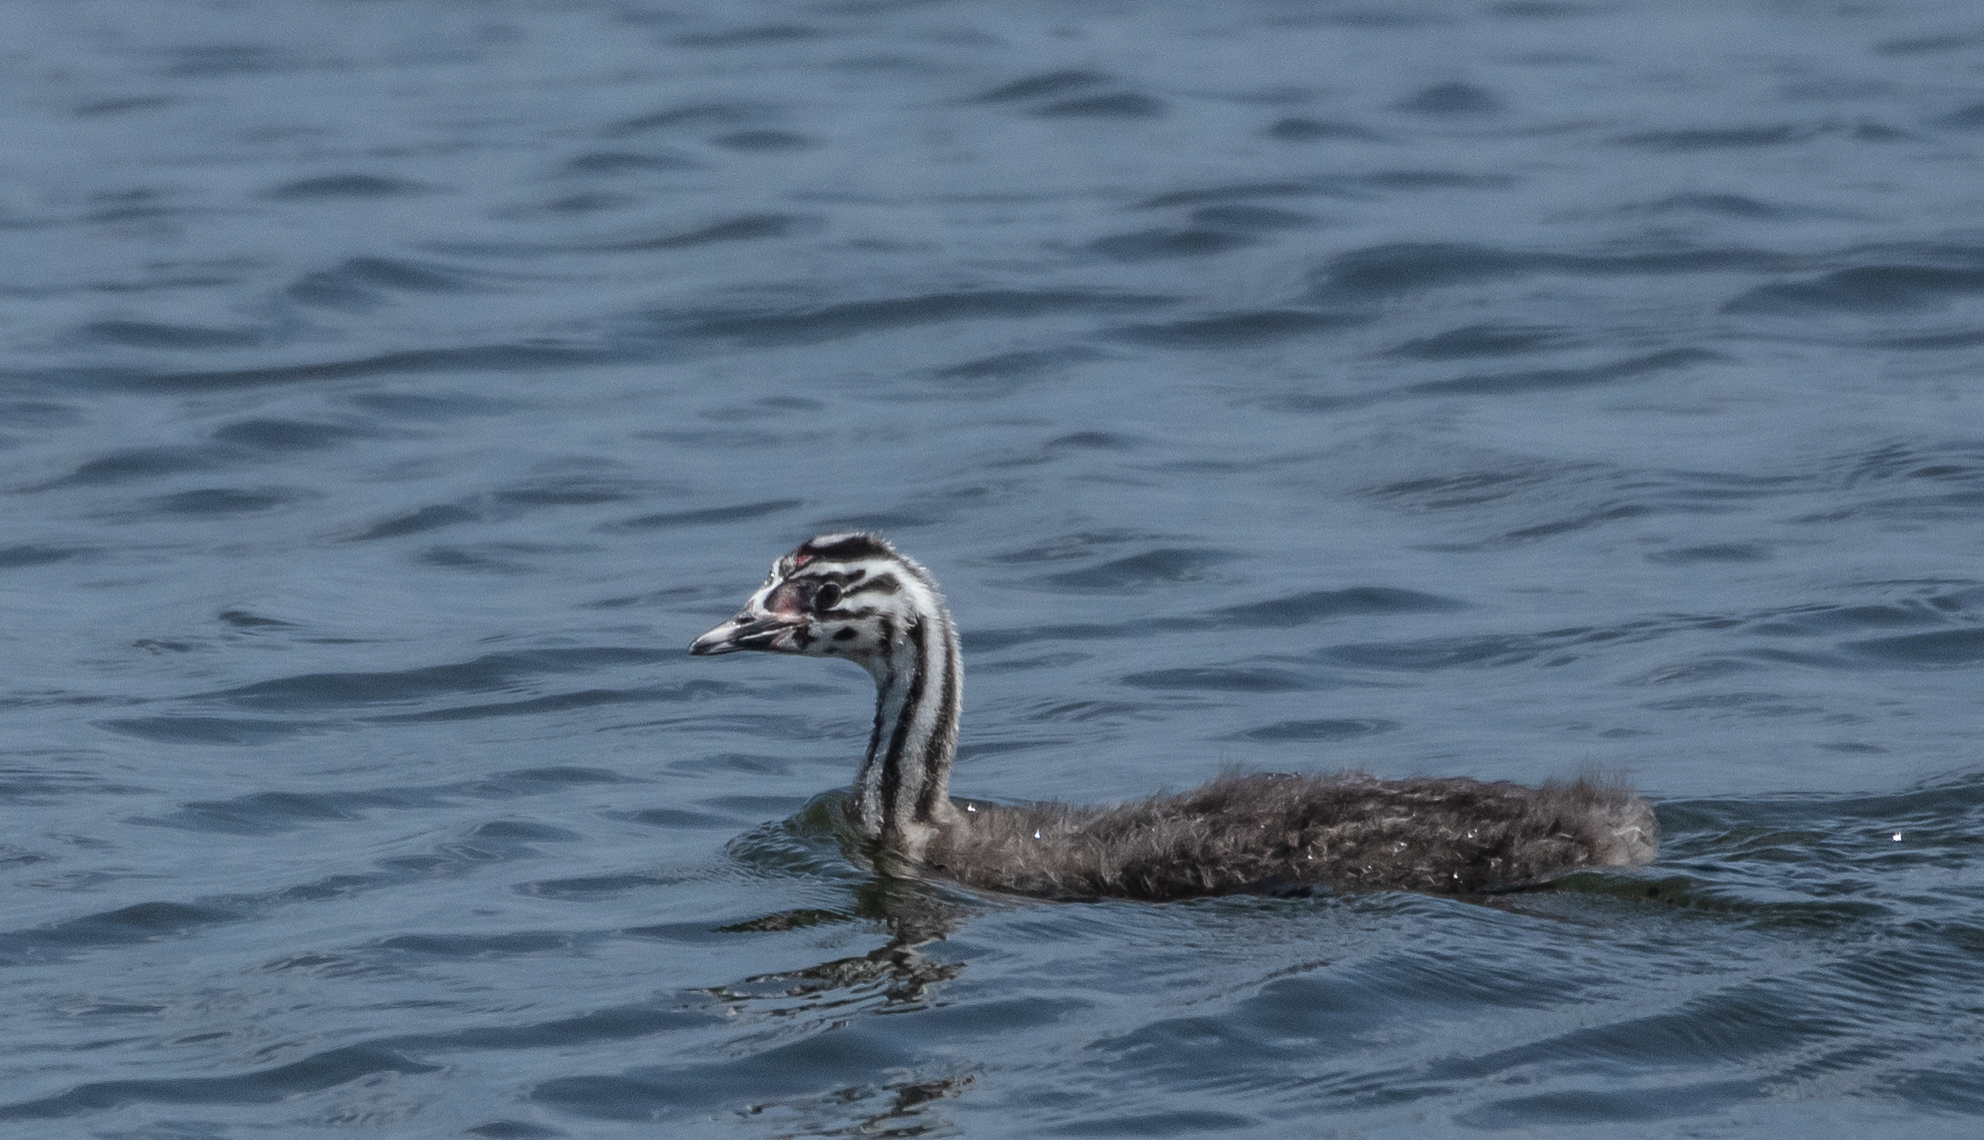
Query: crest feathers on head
842,548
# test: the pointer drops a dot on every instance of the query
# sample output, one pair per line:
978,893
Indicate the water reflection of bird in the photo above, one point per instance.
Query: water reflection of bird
853,596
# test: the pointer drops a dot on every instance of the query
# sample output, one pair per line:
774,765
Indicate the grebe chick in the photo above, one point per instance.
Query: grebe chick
853,596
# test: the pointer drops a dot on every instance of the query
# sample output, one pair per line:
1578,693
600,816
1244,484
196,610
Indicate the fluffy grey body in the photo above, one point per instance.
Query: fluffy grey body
855,596
1273,833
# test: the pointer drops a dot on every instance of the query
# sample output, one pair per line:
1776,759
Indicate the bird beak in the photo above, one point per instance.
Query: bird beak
745,631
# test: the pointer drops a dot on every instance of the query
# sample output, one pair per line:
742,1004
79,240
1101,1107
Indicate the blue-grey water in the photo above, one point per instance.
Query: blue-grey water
392,390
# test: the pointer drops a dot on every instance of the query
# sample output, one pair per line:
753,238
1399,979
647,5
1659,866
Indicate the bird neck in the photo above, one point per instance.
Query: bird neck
902,795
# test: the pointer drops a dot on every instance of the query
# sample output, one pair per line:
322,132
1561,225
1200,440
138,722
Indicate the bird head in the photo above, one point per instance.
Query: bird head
836,595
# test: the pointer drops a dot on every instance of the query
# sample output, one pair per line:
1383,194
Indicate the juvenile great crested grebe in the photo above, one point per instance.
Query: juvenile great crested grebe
852,596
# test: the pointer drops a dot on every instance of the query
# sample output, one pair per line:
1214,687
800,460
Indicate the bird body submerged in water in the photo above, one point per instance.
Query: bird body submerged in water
853,596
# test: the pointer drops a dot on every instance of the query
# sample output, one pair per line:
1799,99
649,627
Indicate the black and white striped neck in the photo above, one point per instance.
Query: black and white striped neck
902,794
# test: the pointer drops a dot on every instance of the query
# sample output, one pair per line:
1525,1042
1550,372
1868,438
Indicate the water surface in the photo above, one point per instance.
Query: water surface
391,391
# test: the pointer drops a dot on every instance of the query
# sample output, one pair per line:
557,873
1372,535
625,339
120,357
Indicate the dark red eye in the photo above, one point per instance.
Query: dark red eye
827,598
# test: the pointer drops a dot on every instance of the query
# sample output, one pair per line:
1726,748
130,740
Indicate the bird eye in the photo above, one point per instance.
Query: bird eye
827,597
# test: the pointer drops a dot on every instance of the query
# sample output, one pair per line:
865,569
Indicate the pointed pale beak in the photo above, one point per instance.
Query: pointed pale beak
745,631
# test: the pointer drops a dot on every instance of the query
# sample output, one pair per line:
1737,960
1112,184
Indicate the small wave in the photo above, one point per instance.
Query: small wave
537,779
1450,652
483,674
675,818
208,729
1964,118
749,37
1865,289
707,515
139,922
988,640
595,886
1069,547
1591,1106
192,338
364,282
342,186
1481,340
614,1023
609,162
1713,552
1922,45
1720,205
1176,1122
1722,138
227,501
745,227
764,139
288,435
856,318
137,464
690,115
17,557
1944,648
1242,191
1149,245
816,1065
557,702
1317,731
1297,129
1435,180
1010,368
319,1071
120,105
507,944
1153,568
419,521
1120,105
267,813
1228,329
1046,85
1253,217
810,843
1319,605
1405,267
566,491
472,358
220,60
1217,680
1452,99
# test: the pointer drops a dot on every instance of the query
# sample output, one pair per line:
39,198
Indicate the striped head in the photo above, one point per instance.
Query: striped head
837,595
853,596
